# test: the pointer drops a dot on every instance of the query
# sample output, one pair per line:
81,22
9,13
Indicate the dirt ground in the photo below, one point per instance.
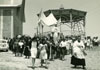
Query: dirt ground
9,62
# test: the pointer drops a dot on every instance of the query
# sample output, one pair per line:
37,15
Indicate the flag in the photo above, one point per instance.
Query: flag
41,17
59,21
50,20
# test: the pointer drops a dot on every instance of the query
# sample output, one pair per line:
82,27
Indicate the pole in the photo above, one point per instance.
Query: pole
60,27
60,18
42,30
39,28
71,22
37,31
50,51
1,24
84,23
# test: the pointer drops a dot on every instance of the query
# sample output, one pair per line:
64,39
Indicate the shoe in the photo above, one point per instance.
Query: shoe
33,67
74,66
51,59
84,68
41,66
46,67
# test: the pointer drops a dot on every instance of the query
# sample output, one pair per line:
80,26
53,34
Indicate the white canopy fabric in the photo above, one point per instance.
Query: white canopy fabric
41,18
50,20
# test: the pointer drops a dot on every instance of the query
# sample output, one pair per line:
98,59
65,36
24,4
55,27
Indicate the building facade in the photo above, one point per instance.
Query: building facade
12,17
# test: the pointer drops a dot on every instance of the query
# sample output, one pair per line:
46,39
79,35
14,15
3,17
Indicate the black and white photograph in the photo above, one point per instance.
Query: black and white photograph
49,35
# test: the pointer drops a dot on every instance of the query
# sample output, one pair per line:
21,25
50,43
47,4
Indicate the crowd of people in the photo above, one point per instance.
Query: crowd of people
48,48
53,46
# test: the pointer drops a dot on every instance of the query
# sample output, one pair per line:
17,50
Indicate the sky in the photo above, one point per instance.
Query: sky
92,7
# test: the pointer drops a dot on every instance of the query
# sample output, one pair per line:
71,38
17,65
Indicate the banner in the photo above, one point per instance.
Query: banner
50,20
41,18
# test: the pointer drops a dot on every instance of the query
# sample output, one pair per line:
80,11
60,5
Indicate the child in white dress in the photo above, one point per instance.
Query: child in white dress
43,53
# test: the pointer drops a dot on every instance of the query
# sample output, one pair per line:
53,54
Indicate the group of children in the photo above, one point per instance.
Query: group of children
64,47
43,52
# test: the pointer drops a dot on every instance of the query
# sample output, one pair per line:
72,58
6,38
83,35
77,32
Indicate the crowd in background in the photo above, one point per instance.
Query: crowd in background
47,49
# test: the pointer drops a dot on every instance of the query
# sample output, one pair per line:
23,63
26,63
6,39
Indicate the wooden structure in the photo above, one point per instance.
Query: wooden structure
74,19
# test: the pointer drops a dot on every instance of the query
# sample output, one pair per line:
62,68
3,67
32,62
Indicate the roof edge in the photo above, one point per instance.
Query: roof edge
10,5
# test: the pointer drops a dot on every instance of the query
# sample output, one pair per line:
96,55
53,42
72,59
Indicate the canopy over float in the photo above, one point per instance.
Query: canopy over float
74,19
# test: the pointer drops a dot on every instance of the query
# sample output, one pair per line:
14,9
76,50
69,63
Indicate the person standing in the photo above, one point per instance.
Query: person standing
33,51
56,38
67,45
89,43
78,56
27,52
43,53
21,46
16,47
62,48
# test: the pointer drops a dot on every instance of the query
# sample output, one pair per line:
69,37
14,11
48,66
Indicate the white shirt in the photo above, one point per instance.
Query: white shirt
77,48
63,44
20,43
88,42
67,45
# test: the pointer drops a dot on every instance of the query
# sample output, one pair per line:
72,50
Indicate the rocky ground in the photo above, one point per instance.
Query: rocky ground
9,62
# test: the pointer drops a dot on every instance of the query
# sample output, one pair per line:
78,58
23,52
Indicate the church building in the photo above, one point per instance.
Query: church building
12,17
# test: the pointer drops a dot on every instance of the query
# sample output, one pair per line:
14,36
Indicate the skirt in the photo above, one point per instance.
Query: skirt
27,52
77,61
33,52
43,54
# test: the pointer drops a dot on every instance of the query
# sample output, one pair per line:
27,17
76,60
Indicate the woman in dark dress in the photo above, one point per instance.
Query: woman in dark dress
27,52
27,47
